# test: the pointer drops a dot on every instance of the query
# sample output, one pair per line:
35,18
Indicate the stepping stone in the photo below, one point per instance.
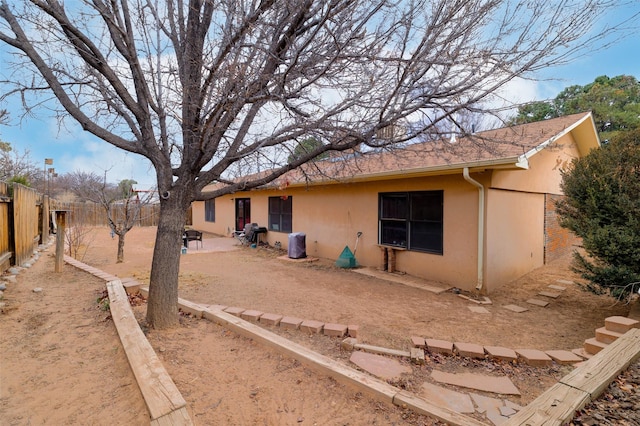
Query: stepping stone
251,315
335,330
557,287
417,356
234,310
507,411
439,346
311,326
515,308
534,357
549,294
385,368
352,330
593,346
501,385
537,302
620,324
503,354
271,319
442,397
490,407
607,336
290,322
470,350
564,282
478,310
418,342
581,353
564,357
512,405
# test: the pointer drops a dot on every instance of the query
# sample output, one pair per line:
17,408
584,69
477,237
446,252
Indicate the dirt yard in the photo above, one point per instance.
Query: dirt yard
62,363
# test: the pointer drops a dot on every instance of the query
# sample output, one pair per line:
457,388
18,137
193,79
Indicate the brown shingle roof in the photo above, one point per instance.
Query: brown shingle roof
497,148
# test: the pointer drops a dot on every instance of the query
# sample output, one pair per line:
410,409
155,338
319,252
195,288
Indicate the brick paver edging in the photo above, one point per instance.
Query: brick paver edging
574,391
377,388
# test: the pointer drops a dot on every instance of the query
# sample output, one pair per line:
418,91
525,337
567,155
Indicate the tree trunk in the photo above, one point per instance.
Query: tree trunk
162,305
120,258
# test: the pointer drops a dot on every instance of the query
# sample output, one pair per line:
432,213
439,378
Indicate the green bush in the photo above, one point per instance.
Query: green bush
602,206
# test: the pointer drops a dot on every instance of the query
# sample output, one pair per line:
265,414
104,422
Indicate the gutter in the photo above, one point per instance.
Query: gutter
465,174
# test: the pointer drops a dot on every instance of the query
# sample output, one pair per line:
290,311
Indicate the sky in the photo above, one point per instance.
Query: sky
72,149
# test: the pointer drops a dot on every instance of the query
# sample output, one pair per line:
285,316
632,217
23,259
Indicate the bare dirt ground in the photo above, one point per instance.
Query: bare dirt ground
61,361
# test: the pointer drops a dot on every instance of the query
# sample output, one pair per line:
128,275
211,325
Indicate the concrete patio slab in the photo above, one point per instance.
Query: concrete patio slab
431,286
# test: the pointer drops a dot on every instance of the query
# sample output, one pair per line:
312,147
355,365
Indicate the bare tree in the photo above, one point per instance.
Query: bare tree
204,88
18,166
121,203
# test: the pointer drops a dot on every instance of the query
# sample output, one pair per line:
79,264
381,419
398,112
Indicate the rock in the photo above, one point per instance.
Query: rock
9,279
3,287
27,265
37,290
15,270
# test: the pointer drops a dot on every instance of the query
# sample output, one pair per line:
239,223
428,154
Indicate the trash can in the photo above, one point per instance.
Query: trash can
297,245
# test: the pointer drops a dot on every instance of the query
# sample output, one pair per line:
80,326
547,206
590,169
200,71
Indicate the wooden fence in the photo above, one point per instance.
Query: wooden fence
21,213
92,214
25,220
5,227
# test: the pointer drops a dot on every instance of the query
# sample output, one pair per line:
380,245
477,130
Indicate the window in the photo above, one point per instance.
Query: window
210,210
280,214
412,220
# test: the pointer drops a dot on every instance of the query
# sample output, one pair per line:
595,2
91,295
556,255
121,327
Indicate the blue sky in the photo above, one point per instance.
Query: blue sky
73,149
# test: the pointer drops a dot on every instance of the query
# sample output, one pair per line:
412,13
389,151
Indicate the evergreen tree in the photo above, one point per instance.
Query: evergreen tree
615,103
602,206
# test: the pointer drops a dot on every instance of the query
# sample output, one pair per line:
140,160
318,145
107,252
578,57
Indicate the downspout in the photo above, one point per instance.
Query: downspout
465,173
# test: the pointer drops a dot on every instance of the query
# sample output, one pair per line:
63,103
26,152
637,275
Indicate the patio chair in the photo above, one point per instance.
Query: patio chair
192,235
246,236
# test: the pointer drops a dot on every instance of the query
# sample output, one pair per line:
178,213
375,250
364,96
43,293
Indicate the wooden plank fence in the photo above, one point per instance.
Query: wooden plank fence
92,214
5,228
25,220
27,208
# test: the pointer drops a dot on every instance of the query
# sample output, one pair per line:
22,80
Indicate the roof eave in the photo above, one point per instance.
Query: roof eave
583,147
518,162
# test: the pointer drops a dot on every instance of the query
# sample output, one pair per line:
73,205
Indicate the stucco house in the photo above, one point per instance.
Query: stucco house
474,212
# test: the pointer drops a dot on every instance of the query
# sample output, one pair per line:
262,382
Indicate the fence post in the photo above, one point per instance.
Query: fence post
61,219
